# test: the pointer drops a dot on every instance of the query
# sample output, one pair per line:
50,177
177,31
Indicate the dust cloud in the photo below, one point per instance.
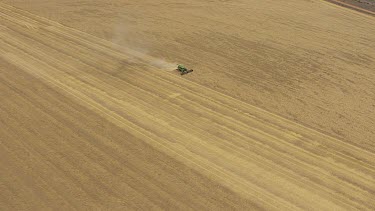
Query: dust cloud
132,44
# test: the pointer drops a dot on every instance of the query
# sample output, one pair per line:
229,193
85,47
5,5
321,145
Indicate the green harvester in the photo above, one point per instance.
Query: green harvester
183,70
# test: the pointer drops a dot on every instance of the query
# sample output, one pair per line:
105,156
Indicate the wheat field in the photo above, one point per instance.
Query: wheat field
277,115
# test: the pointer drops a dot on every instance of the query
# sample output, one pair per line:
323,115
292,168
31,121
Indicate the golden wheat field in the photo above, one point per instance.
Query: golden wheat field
279,113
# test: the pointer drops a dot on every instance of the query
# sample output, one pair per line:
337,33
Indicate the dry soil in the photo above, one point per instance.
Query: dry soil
93,117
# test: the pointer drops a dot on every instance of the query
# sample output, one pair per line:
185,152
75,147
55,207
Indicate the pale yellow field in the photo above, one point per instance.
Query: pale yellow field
93,117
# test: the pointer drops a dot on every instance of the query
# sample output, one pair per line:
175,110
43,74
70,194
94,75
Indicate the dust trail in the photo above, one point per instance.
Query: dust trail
163,64
133,44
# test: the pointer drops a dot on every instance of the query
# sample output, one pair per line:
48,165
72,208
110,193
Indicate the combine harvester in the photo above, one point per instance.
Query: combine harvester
183,70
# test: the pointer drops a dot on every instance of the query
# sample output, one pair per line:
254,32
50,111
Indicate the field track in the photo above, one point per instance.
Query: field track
353,7
78,133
